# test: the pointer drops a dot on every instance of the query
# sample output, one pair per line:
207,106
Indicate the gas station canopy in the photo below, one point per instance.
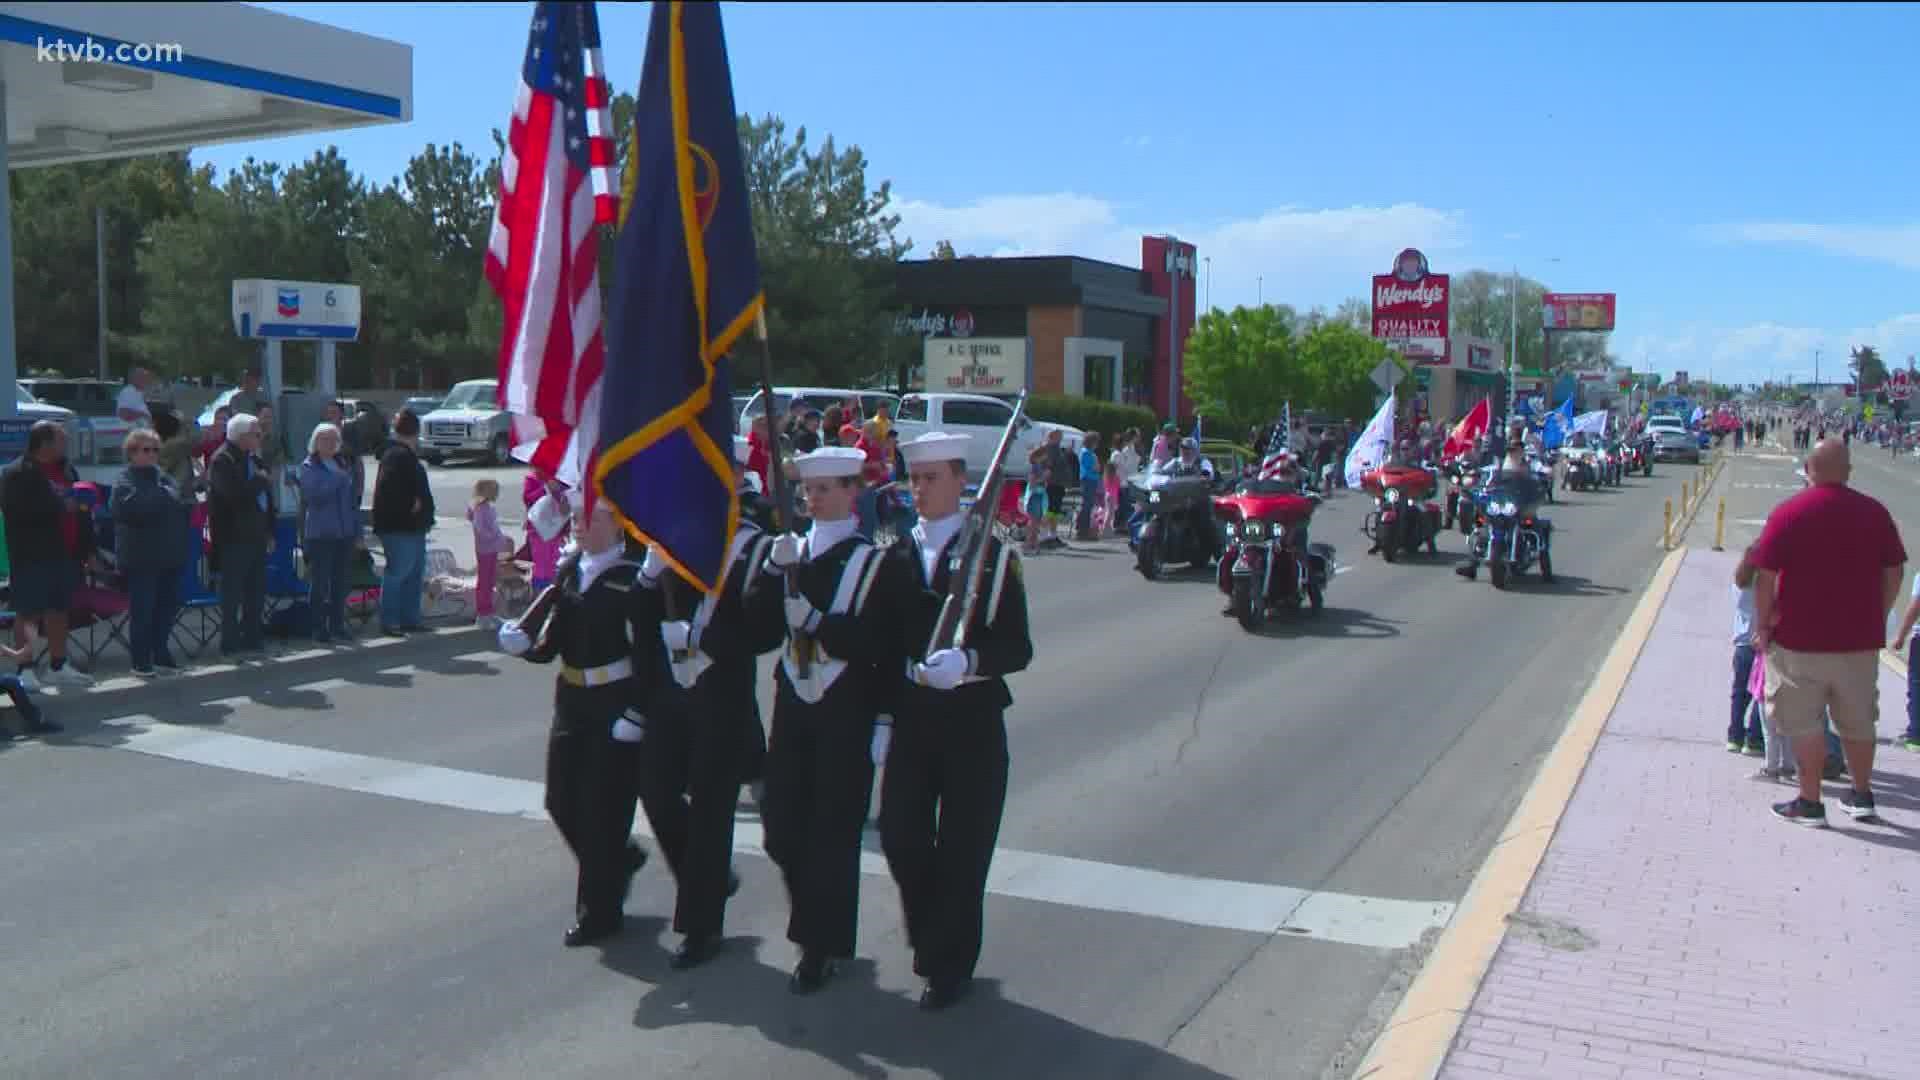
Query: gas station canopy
88,81
83,82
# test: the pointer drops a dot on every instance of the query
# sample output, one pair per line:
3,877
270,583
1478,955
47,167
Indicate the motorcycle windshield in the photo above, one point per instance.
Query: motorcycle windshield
1522,491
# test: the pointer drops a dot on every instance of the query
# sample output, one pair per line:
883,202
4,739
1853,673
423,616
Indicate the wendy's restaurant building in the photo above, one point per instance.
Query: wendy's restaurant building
1452,375
1050,325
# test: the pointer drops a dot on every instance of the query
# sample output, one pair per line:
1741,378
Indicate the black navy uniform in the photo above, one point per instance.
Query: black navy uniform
609,657
703,735
819,770
946,770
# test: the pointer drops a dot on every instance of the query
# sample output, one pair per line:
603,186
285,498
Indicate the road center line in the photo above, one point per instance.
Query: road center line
1251,907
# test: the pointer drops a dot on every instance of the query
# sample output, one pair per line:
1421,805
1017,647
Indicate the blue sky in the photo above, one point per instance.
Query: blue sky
1738,174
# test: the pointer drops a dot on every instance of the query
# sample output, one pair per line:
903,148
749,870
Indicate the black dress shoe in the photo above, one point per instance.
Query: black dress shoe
940,993
592,929
811,973
694,950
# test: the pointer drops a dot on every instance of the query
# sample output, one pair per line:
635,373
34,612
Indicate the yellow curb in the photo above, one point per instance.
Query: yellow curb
1415,1042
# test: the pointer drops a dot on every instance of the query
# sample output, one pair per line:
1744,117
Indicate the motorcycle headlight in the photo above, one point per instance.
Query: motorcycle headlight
1255,530
1505,509
1393,495
1153,497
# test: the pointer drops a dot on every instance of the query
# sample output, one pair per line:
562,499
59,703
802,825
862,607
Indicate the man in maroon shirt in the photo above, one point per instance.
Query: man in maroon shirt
1830,563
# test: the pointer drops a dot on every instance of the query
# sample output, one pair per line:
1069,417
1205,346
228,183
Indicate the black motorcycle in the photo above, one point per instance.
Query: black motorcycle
1511,537
1175,523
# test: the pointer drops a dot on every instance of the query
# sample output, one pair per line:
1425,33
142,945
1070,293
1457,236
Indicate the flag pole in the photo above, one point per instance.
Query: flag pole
779,491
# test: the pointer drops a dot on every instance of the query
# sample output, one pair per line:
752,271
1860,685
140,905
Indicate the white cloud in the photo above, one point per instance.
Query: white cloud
1137,142
1765,351
1895,244
1296,255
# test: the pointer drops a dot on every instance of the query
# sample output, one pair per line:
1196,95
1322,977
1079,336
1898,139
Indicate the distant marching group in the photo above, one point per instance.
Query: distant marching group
655,701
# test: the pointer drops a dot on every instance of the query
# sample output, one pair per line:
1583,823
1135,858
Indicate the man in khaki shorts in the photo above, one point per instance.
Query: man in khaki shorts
1830,565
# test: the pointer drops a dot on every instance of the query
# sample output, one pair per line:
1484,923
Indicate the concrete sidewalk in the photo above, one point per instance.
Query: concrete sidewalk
1677,929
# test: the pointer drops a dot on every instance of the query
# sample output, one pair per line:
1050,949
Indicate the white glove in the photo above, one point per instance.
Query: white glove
630,728
513,640
802,615
787,550
654,566
678,635
882,738
944,669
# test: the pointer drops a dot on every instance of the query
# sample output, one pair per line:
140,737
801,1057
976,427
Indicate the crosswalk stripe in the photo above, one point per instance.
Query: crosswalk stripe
1251,907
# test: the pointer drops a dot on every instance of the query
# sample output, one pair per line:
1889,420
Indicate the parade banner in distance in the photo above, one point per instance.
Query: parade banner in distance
1410,302
686,287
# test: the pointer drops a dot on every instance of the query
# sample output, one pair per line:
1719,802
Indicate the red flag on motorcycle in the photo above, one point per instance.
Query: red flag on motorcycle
1466,435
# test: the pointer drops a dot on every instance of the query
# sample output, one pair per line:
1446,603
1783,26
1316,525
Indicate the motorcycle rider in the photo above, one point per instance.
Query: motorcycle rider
1190,463
1513,475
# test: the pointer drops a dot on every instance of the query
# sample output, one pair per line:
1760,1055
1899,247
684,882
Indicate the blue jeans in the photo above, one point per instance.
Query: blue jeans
1089,498
153,599
1743,728
243,596
327,580
1913,689
402,584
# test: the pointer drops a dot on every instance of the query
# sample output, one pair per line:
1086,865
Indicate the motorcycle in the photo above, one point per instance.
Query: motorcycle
1583,468
1176,523
1643,455
1542,466
1459,505
1402,519
1510,536
1269,565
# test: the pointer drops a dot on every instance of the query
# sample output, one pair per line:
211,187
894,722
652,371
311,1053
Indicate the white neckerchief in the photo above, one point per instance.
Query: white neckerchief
592,565
826,534
933,537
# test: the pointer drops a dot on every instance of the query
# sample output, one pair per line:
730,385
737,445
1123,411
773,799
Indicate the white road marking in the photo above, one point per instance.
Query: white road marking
1250,907
479,657
321,686
402,670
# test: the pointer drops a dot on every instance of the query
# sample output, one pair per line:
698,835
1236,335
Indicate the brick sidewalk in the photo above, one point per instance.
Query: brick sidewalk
1676,929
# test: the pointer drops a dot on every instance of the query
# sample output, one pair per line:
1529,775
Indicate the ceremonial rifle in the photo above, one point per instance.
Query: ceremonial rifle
781,493
968,566
534,620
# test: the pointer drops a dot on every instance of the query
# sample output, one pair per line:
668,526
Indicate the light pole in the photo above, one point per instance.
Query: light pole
1260,290
1513,338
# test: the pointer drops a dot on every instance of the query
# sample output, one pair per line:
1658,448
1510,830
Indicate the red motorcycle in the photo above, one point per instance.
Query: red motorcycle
1402,519
1269,565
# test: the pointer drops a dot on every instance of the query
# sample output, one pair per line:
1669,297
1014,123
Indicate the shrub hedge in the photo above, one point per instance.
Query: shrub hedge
1106,417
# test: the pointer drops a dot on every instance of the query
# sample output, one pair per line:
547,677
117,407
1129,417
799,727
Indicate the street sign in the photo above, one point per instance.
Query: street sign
1387,376
1899,386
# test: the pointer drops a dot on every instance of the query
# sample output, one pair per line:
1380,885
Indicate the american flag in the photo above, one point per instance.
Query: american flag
556,185
1279,457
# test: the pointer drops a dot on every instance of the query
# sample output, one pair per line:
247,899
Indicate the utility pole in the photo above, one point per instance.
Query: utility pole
100,270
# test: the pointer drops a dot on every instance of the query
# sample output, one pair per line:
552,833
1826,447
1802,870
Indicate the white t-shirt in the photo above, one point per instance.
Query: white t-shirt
1126,462
132,400
1743,615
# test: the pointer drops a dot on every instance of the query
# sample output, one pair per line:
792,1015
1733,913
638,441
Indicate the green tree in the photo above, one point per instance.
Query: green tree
425,245
943,250
1240,365
1869,371
1336,362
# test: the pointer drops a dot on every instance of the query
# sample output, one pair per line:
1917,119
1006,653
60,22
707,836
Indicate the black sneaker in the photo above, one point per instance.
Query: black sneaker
1859,806
1801,812
1756,748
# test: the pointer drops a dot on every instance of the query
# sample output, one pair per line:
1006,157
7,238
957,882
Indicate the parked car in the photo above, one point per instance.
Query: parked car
86,397
421,406
985,418
469,423
820,397
93,443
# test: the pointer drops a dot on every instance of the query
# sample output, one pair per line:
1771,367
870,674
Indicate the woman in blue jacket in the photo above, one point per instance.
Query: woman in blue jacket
152,537
330,519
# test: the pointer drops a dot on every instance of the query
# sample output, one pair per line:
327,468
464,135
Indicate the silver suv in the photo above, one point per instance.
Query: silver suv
469,423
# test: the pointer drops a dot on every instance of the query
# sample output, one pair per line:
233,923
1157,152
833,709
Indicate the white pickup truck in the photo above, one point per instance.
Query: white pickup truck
983,417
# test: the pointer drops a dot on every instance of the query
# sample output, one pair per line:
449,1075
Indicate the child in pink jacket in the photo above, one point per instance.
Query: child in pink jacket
489,544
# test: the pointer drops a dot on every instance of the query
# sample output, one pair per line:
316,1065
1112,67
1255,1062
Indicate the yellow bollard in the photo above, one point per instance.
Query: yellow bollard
1666,529
1720,527
1686,497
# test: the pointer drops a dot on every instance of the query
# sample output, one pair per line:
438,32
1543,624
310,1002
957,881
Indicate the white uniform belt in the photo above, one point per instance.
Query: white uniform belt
964,679
598,676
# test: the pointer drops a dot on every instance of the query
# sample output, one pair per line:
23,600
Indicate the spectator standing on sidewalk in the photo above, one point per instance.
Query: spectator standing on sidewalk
489,545
1743,731
1904,639
402,516
330,526
1831,563
242,518
151,536
131,407
47,541
1090,486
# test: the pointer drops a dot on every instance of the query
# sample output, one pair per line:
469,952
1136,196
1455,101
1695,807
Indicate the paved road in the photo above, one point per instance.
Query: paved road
1217,850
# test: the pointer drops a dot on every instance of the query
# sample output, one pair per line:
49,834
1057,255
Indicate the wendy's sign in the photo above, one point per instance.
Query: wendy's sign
1411,302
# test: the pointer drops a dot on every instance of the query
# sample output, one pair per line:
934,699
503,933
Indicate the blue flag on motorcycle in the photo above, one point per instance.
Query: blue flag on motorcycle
1556,425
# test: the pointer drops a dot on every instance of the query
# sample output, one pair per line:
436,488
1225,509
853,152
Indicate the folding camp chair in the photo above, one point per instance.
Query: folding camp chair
197,624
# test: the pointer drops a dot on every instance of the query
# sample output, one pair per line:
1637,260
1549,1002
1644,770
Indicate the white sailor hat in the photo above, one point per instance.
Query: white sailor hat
831,461
935,446
742,449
